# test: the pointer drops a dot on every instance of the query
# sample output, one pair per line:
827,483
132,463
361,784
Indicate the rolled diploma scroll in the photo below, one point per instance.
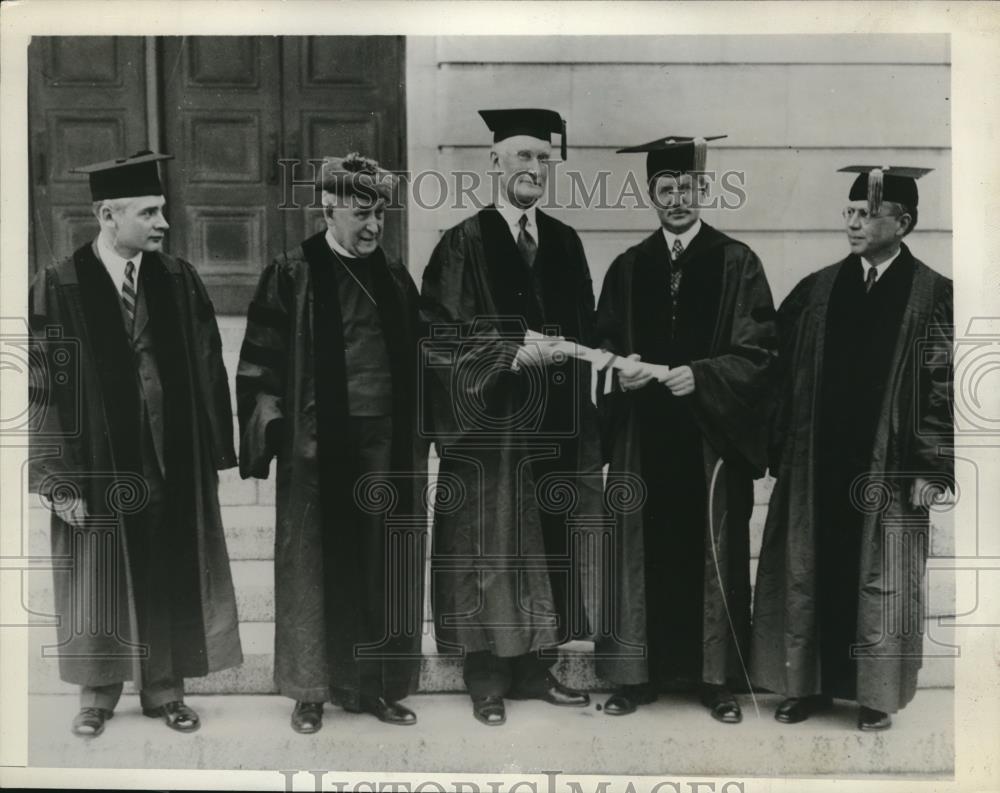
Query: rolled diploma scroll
599,359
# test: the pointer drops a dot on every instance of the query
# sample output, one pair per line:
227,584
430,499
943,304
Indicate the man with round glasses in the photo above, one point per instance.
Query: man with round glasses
859,442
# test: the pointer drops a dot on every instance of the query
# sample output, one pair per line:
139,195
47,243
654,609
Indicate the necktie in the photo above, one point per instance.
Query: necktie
526,245
675,277
677,249
128,296
870,279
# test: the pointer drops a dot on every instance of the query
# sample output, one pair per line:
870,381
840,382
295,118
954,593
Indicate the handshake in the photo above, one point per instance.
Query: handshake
633,373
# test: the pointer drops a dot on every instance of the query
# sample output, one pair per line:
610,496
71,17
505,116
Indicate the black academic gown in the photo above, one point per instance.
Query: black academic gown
335,587
145,599
865,406
861,332
681,589
512,444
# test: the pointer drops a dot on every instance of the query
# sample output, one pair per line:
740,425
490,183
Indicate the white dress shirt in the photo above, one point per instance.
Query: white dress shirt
879,268
115,264
685,238
512,215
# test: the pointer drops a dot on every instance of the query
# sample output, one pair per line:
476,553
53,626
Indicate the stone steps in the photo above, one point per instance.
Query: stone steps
439,673
254,585
250,531
671,738
250,536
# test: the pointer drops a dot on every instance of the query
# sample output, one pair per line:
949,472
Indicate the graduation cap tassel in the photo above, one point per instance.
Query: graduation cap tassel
874,190
562,141
700,155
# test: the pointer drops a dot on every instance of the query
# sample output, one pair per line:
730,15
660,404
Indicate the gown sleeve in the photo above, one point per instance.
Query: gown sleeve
469,350
260,375
732,386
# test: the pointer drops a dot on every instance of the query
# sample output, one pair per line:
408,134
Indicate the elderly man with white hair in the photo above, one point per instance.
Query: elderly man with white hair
327,384
514,424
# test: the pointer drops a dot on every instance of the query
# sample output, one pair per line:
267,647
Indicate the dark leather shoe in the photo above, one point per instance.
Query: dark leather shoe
555,693
558,694
721,704
489,710
176,714
307,717
796,709
389,712
627,699
89,722
871,720
619,704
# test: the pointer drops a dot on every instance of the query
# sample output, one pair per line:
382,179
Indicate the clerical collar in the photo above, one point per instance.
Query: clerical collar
879,268
685,238
337,248
115,264
512,216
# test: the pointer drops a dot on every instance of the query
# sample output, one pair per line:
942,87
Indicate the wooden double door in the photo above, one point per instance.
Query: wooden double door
230,109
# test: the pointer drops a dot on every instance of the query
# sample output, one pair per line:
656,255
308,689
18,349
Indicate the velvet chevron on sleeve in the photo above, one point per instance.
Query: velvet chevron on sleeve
260,376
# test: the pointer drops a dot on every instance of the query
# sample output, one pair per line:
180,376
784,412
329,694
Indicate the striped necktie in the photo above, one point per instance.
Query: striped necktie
525,242
128,296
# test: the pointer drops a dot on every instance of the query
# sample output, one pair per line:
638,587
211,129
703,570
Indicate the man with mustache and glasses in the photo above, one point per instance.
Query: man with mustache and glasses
327,384
696,302
860,448
513,424
133,486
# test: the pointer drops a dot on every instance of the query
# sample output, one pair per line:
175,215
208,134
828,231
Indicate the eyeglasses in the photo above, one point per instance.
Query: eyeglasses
862,214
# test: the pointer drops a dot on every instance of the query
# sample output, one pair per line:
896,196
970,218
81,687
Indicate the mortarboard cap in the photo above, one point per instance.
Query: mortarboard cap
878,183
673,154
533,121
125,177
354,174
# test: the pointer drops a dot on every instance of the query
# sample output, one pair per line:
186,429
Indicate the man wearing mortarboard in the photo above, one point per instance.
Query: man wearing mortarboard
327,384
697,301
142,432
514,425
859,437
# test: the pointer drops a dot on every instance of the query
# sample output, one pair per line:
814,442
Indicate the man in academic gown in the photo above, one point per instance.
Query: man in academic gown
327,383
697,301
126,454
859,449
515,428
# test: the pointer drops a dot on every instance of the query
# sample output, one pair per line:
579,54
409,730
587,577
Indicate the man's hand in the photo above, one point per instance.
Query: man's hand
637,379
680,381
72,511
538,352
924,493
